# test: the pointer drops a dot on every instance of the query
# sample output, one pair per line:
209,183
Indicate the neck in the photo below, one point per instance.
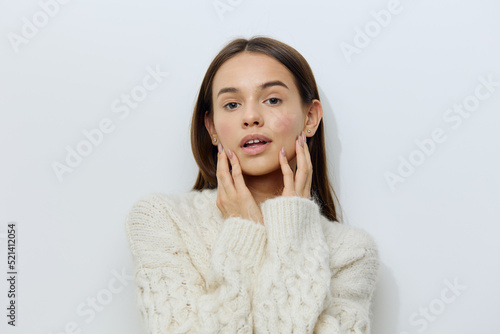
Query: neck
267,186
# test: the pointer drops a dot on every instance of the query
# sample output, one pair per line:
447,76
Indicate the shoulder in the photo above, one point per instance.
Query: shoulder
348,243
156,221
173,204
354,260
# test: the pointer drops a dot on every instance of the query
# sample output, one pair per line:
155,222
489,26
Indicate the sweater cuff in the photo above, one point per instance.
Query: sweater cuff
291,220
244,238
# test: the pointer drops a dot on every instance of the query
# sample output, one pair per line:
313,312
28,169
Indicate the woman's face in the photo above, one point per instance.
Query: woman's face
255,94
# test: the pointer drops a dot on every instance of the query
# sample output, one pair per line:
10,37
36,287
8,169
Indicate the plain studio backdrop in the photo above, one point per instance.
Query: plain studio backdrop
96,100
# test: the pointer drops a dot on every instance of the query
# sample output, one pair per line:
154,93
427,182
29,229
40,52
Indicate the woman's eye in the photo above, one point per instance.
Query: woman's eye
231,105
274,100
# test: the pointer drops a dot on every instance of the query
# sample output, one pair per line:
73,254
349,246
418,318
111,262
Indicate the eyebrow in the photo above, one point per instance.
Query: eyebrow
262,87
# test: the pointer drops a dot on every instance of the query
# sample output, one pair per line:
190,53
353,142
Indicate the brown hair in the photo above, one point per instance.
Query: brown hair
205,153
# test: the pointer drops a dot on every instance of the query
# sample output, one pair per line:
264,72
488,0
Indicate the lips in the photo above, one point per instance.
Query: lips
255,149
254,136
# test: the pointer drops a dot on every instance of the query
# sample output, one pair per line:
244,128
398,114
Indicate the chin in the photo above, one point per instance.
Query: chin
256,170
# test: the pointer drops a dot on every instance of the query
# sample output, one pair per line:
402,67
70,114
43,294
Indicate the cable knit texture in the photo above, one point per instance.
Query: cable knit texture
197,272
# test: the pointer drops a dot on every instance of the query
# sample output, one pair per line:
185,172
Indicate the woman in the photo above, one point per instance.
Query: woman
255,246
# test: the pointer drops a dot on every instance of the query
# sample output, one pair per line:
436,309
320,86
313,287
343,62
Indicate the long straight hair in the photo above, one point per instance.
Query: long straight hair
205,154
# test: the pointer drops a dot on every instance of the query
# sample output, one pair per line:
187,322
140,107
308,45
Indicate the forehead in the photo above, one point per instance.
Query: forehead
249,70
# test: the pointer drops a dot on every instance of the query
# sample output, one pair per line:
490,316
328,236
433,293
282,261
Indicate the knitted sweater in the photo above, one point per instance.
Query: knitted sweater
197,272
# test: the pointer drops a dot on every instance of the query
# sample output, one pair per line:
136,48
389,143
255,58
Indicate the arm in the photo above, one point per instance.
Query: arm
294,280
172,295
354,262
313,281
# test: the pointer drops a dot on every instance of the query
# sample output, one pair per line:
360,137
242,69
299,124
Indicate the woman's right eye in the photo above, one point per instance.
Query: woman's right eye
231,105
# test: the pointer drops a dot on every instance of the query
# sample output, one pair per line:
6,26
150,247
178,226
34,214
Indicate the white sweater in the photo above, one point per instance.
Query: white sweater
197,272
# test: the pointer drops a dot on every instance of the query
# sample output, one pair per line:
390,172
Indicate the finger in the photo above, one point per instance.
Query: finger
221,198
306,151
221,194
237,174
310,167
302,172
224,178
289,189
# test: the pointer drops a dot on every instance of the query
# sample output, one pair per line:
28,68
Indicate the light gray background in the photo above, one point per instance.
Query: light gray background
440,225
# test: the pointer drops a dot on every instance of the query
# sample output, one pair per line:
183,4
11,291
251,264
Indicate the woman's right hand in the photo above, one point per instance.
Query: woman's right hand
234,199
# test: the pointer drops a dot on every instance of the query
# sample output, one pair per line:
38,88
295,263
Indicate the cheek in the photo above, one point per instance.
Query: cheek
285,125
225,132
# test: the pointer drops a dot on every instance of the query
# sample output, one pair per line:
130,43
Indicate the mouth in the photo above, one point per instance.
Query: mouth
255,148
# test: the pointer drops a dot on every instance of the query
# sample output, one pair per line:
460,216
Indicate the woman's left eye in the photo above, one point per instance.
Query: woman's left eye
274,100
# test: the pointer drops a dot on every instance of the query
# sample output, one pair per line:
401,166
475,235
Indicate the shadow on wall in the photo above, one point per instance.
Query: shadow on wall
385,305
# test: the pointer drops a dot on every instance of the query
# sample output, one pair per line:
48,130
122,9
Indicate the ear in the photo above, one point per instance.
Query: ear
209,125
313,117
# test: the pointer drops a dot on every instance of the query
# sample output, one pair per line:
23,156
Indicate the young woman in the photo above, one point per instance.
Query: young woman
255,246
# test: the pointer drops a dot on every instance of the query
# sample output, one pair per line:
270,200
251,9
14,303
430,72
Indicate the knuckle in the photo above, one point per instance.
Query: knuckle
236,172
301,170
221,204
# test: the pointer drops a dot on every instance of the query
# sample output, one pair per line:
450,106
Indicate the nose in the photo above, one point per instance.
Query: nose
252,116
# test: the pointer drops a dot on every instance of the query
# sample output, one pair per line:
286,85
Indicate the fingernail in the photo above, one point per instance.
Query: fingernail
283,151
304,136
300,141
220,148
229,154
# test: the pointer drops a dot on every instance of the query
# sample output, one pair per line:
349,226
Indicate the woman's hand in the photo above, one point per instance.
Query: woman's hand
233,196
300,185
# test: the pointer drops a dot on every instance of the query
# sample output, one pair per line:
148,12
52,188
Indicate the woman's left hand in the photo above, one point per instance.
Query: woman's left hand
300,183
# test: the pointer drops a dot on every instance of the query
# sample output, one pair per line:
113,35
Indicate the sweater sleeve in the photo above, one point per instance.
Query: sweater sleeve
305,285
295,276
354,261
172,295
